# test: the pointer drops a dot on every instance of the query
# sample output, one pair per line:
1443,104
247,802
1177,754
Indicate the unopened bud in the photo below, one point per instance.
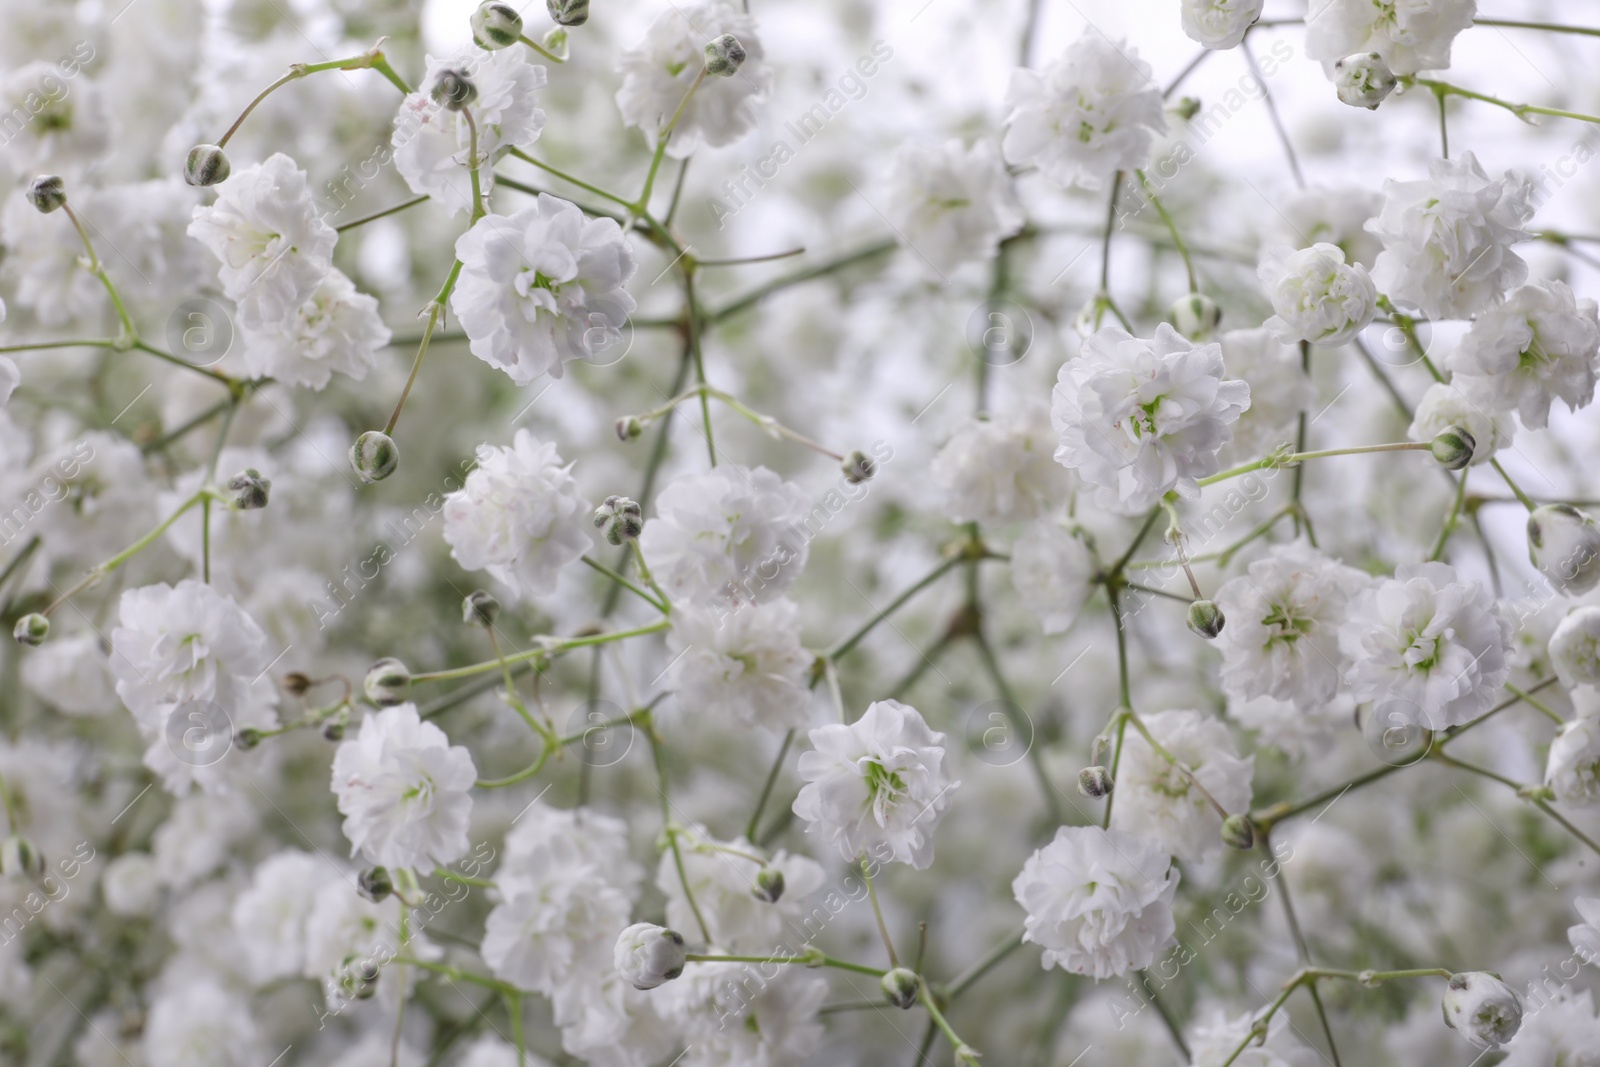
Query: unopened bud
1363,80
1094,782
1564,544
31,629
1206,619
247,738
47,192
769,885
1195,316
496,26
249,489
19,858
207,165
1453,447
453,90
620,519
858,467
374,456
568,12
1239,832
1187,107
296,684
724,56
901,986
334,728
628,428
480,608
375,884
387,682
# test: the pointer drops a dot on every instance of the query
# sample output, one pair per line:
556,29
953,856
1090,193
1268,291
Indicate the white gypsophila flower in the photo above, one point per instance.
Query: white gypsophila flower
1573,768
1328,215
1282,635
605,1021
1575,647
93,488
1564,546
950,204
493,1051
269,918
1411,36
648,955
191,652
566,886
433,143
1445,404
1089,114
1539,345
1000,469
658,72
404,791
1482,1008
274,246
1156,800
877,786
337,330
1219,24
1426,646
53,126
1052,570
518,516
1447,239
740,668
1318,297
131,885
1099,902
349,938
69,673
541,287
1585,937
201,1023
725,880
731,1020
200,835
732,535
1284,726
1140,418
1219,1034
1280,390
1564,1031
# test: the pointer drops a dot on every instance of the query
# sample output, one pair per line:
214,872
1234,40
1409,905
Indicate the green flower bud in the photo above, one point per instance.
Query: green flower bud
620,519
724,56
1206,619
628,428
31,629
858,467
496,26
47,192
901,986
1195,316
249,489
1095,782
480,608
453,90
375,884
387,682
19,858
1454,447
568,12
1239,832
247,738
207,165
769,885
374,456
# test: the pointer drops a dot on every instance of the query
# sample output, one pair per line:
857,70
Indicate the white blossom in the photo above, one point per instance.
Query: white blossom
542,287
658,71
1482,1009
648,955
1575,647
1318,297
200,1023
951,204
1052,569
1447,239
1000,469
1158,801
723,877
404,791
1411,36
730,536
1429,646
773,1024
1089,114
433,144
274,246
518,516
1282,635
1573,768
1538,346
1219,24
740,668
1446,404
1099,902
1140,418
1220,1034
337,329
1280,391
877,786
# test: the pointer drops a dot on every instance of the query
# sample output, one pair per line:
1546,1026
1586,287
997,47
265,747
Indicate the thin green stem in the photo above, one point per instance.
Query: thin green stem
1172,228
548,646
625,583
385,213
846,644
1289,459
1523,498
435,309
754,825
1521,111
